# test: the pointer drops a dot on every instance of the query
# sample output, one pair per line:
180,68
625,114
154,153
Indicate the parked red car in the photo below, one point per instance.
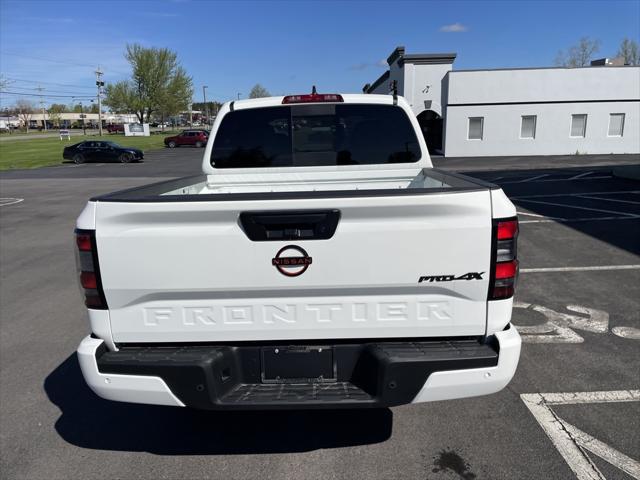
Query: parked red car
196,138
115,128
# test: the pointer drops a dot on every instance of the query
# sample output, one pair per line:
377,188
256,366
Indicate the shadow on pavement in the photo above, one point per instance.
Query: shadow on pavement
616,230
88,421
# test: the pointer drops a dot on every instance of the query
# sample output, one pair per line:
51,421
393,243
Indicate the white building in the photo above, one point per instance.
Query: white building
70,118
522,111
7,122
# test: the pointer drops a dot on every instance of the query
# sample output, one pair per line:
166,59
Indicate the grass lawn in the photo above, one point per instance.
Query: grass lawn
40,152
22,133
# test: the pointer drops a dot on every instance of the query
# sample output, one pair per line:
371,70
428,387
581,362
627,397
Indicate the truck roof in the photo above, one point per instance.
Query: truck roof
347,98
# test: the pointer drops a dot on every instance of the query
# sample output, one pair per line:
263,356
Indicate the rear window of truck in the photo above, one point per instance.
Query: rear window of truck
315,135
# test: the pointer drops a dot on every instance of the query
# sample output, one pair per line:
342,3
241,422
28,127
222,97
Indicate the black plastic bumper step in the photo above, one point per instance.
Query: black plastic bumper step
371,374
257,393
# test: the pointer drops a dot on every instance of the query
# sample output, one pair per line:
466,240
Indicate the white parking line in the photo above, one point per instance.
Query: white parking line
580,269
608,199
579,176
584,219
539,216
10,201
550,195
571,442
534,180
600,210
531,179
528,179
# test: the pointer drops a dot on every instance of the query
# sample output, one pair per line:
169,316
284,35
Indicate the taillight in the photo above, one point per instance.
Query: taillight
504,267
312,98
89,270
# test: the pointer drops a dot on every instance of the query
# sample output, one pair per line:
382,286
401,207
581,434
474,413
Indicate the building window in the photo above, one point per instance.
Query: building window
578,125
616,124
528,126
476,125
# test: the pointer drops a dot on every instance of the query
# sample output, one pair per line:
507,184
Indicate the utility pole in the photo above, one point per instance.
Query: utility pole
190,114
206,107
44,117
99,84
239,96
84,124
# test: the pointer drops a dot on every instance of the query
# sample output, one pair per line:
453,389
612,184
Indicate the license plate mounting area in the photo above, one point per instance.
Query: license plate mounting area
298,364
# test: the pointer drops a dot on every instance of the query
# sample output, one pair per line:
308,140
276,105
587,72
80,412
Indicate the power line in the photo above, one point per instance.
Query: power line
40,95
14,79
46,89
64,62
21,55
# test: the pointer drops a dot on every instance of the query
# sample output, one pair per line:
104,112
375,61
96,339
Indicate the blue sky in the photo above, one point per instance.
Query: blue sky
288,46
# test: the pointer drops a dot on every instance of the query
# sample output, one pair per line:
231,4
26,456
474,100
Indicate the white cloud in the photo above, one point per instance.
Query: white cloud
454,27
365,65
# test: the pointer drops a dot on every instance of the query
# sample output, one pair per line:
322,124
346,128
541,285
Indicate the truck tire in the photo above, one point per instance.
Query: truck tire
78,158
171,145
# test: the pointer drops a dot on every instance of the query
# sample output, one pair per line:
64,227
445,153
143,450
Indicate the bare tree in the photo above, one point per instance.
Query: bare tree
578,55
258,91
629,51
4,82
25,111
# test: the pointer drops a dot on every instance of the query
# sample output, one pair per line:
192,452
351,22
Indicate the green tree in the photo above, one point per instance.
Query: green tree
55,113
176,96
258,91
121,97
158,84
629,51
578,55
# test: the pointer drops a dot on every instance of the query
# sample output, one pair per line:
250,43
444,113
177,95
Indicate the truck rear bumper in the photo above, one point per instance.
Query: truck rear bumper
371,374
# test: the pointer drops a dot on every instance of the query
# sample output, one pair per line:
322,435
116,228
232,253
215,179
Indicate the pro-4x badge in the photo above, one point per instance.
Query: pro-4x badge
450,278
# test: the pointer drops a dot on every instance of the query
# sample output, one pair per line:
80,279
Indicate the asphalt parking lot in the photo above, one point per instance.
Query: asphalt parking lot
572,410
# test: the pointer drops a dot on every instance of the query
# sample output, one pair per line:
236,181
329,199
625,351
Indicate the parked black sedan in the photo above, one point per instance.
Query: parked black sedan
94,151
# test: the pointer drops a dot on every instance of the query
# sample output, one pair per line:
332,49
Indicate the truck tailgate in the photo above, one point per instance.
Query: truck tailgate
187,271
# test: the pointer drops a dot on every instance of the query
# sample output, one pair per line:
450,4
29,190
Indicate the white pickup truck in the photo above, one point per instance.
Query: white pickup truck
319,261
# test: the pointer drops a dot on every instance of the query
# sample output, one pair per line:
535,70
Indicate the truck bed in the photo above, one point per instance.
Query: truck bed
194,259
287,185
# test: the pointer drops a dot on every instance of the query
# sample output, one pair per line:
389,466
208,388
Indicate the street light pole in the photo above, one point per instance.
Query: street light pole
204,95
